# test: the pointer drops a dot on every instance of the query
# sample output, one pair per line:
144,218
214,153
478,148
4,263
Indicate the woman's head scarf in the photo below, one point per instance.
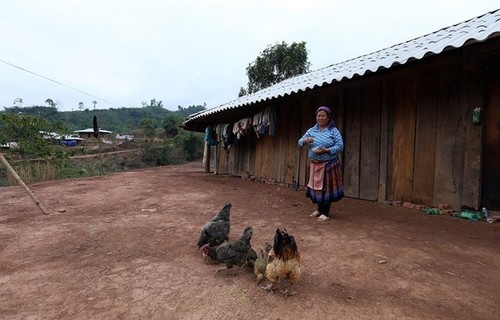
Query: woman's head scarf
331,123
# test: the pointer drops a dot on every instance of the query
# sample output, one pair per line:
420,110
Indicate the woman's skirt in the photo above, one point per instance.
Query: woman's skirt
333,186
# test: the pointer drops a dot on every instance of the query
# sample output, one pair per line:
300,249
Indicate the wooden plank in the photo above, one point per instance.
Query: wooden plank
267,147
252,147
352,142
258,157
403,138
471,188
370,142
450,137
291,132
307,116
491,164
384,142
425,139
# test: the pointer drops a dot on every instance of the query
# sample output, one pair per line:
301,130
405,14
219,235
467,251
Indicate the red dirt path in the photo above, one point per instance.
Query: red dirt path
122,246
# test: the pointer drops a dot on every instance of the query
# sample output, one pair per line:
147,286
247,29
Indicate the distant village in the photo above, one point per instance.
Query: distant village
78,137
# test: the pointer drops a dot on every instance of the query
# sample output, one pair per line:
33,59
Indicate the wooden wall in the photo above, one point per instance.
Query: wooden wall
407,133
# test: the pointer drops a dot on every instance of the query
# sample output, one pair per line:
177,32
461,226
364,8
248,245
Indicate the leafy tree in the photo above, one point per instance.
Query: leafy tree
191,109
81,106
51,103
153,103
94,102
149,125
171,123
18,102
25,131
275,64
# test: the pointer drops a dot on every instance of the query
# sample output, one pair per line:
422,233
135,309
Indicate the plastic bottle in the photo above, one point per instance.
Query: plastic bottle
432,211
471,215
486,215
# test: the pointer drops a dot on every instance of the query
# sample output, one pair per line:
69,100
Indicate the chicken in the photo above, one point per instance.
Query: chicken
233,253
216,231
251,257
286,262
259,266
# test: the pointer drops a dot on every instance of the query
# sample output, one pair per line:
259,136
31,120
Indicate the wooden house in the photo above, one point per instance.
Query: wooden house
420,120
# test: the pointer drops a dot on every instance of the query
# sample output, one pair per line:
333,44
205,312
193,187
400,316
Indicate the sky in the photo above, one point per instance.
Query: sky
121,53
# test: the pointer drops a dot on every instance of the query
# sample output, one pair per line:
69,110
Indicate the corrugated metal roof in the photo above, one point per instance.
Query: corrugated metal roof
474,30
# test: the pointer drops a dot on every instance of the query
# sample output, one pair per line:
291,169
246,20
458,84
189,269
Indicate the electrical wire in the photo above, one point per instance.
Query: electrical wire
57,82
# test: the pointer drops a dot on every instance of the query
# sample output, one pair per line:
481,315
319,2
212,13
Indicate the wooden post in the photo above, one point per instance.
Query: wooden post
217,154
297,170
95,127
101,169
206,157
20,181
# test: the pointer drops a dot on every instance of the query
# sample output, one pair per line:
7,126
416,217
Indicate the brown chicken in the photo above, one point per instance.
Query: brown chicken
260,264
286,262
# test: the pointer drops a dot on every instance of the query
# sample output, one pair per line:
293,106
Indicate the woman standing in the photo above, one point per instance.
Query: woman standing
325,169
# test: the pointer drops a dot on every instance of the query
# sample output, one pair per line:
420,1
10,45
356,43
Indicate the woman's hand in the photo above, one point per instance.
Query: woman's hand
309,140
320,150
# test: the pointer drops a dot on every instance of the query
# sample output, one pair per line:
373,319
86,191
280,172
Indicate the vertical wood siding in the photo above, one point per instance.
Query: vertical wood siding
450,138
370,142
425,139
491,124
352,141
403,144
408,136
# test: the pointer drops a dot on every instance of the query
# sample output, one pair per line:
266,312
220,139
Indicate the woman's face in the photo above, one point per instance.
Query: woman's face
322,119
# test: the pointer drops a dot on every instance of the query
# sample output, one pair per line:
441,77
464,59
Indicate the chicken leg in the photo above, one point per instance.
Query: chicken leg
232,271
269,287
287,292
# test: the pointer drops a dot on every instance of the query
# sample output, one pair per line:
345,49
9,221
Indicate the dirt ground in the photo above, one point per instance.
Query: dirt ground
122,246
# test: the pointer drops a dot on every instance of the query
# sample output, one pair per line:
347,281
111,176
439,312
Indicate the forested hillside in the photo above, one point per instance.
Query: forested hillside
118,120
158,140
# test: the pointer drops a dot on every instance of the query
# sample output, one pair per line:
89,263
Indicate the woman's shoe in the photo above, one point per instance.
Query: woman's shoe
323,218
315,214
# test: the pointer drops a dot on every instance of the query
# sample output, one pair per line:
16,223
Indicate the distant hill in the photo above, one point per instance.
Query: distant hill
120,120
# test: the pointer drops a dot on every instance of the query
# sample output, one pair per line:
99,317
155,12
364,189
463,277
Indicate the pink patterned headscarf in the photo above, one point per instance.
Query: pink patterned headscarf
331,123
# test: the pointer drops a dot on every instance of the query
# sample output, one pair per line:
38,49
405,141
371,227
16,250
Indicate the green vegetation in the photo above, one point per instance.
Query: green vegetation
158,140
275,64
118,120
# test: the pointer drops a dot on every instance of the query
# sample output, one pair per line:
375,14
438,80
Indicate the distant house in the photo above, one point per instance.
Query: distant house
8,145
89,133
50,135
71,140
65,140
420,120
124,136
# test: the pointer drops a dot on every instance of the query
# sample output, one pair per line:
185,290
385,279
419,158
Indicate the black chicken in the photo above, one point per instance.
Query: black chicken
216,231
233,253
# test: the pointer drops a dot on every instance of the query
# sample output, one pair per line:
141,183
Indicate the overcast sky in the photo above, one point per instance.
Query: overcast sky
189,52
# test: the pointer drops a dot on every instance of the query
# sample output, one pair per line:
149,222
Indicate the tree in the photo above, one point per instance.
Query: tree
81,105
171,123
51,103
18,102
25,131
153,103
149,125
275,64
191,109
94,102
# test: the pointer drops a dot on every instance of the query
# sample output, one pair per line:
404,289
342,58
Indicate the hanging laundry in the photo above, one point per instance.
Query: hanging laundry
210,136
